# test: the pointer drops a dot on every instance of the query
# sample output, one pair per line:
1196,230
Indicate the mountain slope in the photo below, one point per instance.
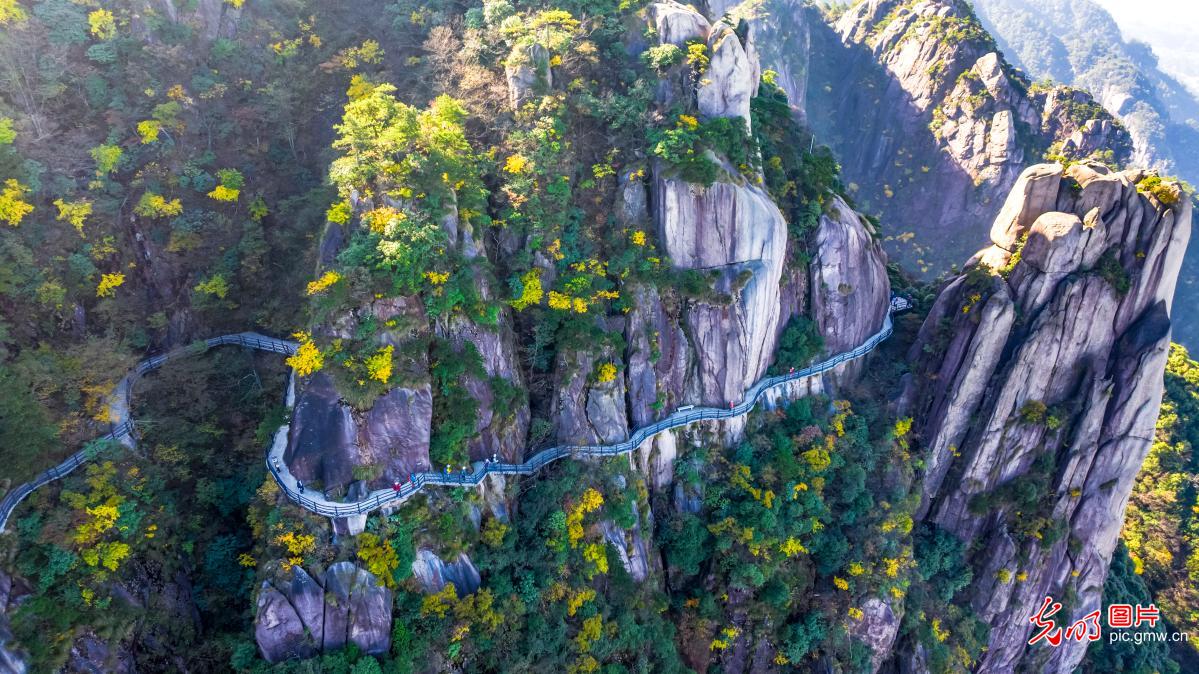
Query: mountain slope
937,126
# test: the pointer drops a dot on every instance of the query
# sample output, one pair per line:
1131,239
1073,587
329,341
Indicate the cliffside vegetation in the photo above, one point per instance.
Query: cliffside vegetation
154,545
1161,531
457,209
789,533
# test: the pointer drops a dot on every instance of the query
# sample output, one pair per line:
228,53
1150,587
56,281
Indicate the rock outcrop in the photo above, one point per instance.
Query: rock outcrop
1042,366
11,592
936,127
433,573
528,72
391,434
323,440
498,432
735,233
850,290
306,616
731,229
590,404
732,75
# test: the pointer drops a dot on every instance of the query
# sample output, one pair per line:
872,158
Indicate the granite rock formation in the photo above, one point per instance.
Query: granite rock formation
1042,365
306,616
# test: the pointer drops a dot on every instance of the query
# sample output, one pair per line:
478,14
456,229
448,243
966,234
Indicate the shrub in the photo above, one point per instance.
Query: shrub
215,286
13,207
1110,269
109,283
686,147
1033,412
662,56
152,205
799,344
107,158
1166,191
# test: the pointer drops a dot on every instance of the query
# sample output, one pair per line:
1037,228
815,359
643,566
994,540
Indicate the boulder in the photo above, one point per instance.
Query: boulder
433,573
280,633
676,23
307,598
1034,193
307,615
877,628
528,73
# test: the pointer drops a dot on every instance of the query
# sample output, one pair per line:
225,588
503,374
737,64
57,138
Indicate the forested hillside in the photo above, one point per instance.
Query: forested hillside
492,229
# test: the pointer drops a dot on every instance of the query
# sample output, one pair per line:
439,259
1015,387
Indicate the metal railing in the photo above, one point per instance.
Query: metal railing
124,390
479,470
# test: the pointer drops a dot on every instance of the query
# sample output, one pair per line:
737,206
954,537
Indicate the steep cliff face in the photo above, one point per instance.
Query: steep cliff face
304,616
731,229
11,591
213,18
850,290
734,230
940,125
1036,386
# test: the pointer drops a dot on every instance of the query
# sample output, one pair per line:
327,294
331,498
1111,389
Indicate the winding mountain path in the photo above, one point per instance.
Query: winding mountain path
123,427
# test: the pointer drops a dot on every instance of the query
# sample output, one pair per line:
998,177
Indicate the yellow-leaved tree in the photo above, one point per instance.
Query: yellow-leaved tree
308,358
378,365
74,212
379,556
13,207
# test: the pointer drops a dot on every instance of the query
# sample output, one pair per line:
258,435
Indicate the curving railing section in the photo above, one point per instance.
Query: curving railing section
119,406
479,470
123,430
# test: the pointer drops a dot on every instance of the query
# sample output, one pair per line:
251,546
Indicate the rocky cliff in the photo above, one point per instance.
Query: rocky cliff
1080,44
677,349
937,126
303,616
1036,384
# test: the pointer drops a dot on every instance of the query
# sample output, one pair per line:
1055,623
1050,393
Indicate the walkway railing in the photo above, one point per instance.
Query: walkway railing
124,428
479,470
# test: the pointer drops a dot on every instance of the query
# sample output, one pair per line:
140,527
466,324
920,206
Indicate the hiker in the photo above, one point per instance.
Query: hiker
300,486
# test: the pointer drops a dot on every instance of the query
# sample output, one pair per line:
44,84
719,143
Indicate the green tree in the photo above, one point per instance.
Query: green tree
25,427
